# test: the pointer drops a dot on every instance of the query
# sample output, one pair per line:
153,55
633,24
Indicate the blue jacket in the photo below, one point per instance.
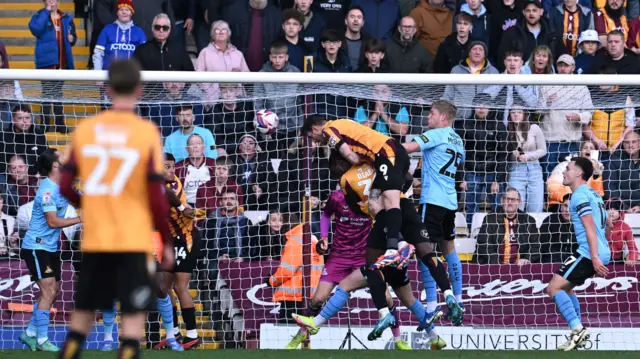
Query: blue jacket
382,17
583,63
117,42
46,52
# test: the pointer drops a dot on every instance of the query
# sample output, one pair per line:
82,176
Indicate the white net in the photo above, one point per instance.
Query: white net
509,247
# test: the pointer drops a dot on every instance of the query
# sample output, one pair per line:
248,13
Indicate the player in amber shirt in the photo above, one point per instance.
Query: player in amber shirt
358,143
119,159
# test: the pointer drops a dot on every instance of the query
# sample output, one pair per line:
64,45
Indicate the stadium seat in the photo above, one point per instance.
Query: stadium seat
476,223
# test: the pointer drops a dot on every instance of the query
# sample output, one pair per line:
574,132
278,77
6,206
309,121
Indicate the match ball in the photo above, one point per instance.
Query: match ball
266,121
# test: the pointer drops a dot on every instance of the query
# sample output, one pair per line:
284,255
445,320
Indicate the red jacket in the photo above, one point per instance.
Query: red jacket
208,198
621,234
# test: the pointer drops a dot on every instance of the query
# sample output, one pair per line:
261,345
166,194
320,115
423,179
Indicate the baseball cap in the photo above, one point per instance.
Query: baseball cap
535,2
566,59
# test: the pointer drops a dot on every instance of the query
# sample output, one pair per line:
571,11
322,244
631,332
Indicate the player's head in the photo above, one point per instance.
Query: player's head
442,114
338,165
48,163
312,127
124,79
578,171
169,167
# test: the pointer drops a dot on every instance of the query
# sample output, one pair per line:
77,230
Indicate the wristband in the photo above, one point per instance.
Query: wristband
181,208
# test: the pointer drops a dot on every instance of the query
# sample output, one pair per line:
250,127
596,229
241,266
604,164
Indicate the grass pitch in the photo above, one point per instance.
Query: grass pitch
335,354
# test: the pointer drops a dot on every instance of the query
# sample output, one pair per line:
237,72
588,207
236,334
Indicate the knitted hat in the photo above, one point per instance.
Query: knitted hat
127,4
481,43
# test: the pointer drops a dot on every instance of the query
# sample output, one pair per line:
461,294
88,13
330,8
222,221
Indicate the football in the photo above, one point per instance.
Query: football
266,121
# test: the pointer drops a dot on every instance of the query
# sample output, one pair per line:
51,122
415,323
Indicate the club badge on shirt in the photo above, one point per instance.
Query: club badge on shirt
46,197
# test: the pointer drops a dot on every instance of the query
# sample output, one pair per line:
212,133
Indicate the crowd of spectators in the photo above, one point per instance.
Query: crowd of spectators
517,138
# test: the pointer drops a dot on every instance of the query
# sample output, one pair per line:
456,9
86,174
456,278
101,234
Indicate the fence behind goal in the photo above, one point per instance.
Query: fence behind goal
254,187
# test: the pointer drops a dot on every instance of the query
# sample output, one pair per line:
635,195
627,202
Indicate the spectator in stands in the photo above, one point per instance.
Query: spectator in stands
557,190
374,52
588,44
18,186
508,235
383,15
509,94
267,237
231,117
482,20
219,56
405,54
4,56
313,23
55,34
622,173
210,195
540,62
621,234
333,11
557,238
383,116
8,89
253,171
456,46
226,230
633,39
292,21
287,280
21,137
434,23
611,17
613,116
624,61
570,19
255,24
9,239
156,54
549,5
476,63
176,143
562,128
332,58
485,138
184,12
283,99
164,112
195,170
354,37
505,14
532,32
525,146
119,39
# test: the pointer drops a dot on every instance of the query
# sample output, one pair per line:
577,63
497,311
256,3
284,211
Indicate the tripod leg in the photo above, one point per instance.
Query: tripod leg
359,341
344,341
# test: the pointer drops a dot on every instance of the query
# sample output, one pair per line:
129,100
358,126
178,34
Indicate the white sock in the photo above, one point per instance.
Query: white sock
431,306
433,335
42,340
192,333
383,312
31,333
459,298
401,244
447,293
577,328
108,337
176,331
319,320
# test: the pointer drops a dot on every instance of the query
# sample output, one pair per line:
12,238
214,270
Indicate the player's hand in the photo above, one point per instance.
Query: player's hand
464,186
322,246
521,262
168,258
188,26
629,263
599,267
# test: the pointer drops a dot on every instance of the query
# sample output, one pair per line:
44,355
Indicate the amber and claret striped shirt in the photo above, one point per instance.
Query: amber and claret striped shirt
362,140
571,30
62,54
179,224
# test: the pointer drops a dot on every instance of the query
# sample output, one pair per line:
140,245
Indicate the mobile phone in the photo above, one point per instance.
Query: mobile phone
595,155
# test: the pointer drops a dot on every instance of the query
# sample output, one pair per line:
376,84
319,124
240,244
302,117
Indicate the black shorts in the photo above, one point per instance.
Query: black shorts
110,276
41,264
439,222
186,260
392,176
577,269
412,230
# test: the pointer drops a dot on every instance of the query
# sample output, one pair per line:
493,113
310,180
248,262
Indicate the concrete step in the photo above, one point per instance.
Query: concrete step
31,57
80,65
30,1
22,41
23,22
33,6
29,50
13,33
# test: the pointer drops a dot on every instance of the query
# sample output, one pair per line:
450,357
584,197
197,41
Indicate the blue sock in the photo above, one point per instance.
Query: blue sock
166,312
455,274
109,319
565,307
42,324
31,328
335,303
429,287
576,305
418,310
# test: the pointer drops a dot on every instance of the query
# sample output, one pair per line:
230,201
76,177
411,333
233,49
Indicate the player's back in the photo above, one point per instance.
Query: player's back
361,139
115,154
586,201
442,153
358,181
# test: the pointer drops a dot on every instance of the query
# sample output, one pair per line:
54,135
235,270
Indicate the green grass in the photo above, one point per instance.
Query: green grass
335,354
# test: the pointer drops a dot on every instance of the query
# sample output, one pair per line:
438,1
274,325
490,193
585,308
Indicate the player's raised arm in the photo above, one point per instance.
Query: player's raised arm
411,147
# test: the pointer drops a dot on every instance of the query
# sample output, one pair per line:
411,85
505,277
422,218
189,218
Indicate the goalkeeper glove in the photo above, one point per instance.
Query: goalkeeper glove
322,246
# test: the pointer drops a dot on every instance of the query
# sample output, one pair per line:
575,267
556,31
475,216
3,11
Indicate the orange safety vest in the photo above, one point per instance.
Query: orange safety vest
287,280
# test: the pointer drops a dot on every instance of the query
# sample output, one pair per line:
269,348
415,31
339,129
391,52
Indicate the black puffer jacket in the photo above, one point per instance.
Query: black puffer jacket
485,146
450,53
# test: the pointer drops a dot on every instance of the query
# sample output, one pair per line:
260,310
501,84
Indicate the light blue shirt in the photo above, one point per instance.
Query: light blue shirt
442,154
402,117
176,143
40,235
586,201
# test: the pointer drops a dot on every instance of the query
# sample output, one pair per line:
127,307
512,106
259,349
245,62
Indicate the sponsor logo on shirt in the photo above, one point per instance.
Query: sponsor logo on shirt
46,197
123,47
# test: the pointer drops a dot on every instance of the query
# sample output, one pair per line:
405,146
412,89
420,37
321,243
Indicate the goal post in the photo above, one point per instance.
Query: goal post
269,184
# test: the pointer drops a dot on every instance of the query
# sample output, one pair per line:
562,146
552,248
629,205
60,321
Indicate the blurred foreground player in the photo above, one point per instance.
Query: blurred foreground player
119,159
589,219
